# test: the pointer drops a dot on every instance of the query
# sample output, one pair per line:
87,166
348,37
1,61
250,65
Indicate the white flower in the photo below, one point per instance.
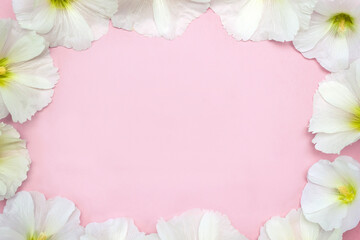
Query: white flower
29,216
166,18
114,229
14,161
198,225
333,37
27,74
70,23
295,226
336,117
331,197
259,20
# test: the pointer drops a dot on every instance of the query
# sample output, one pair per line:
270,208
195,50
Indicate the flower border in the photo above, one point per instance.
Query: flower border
262,230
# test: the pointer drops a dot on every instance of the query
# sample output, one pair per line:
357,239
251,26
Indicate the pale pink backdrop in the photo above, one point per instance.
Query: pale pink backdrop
148,128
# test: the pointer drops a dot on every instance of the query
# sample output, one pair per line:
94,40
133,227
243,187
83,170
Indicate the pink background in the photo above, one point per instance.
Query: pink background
148,128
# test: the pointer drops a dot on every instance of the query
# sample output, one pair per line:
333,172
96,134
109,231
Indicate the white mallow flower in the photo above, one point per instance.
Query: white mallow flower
198,225
332,196
333,37
295,226
69,23
115,229
27,74
336,114
165,18
14,161
29,216
259,20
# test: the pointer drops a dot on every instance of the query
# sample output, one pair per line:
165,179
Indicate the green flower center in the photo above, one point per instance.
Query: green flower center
347,194
61,4
355,121
5,74
41,236
342,23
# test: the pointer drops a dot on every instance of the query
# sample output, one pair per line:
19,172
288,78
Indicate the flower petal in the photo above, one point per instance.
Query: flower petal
306,40
164,18
19,214
235,13
23,102
338,95
328,118
26,48
40,18
120,228
333,143
97,14
214,226
70,30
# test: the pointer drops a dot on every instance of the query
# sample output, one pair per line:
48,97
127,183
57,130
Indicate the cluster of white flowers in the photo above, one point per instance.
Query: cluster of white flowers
330,207
327,30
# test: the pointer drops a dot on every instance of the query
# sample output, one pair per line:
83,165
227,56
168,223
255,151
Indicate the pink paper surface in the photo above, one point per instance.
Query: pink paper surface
147,128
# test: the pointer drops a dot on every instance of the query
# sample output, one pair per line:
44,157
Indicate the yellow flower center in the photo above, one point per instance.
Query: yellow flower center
2,71
41,236
5,74
355,121
61,4
342,22
347,194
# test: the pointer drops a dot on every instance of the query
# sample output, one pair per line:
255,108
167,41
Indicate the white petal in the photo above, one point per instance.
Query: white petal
19,212
71,230
304,9
182,227
37,15
3,110
26,48
279,229
58,214
324,174
348,168
40,67
329,218
333,143
135,15
158,17
280,22
307,39
309,230
14,161
332,52
316,198
23,102
338,95
328,118
5,25
70,30
9,234
234,15
353,217
263,234
214,226
97,14
113,229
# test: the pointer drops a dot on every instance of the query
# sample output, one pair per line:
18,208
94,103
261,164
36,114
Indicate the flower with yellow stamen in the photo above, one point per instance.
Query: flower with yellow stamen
336,116
14,161
29,216
334,34
24,91
69,23
332,196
